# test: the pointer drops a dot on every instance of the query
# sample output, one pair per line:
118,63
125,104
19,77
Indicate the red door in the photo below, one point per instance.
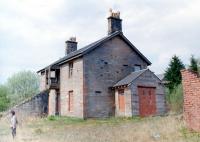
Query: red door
147,101
121,100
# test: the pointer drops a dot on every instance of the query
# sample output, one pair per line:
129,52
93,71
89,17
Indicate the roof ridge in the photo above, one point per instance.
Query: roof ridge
130,77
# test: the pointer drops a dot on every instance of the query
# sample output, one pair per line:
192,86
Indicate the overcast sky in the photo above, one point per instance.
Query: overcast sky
33,32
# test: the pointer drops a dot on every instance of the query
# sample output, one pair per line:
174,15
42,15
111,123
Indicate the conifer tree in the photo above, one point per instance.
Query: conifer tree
193,64
173,74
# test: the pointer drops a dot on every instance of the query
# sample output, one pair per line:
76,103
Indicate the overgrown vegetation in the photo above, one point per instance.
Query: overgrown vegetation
18,87
75,120
174,90
62,129
175,99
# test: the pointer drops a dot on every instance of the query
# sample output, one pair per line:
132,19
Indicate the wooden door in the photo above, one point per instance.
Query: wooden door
121,100
147,101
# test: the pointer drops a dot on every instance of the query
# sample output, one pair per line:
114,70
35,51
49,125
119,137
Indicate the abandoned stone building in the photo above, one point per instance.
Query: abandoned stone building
109,77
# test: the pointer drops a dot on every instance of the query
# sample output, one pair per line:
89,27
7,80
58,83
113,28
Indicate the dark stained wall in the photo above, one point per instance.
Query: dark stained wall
150,80
103,67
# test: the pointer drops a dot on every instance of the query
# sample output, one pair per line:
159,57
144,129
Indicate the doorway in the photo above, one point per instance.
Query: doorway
147,101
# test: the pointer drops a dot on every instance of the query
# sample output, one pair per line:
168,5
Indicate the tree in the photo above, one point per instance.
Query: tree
22,85
193,64
173,74
4,100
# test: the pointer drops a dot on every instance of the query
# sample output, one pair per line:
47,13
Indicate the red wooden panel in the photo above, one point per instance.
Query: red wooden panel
147,101
121,100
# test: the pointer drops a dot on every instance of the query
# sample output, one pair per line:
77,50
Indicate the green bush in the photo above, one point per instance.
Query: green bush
4,100
175,99
51,118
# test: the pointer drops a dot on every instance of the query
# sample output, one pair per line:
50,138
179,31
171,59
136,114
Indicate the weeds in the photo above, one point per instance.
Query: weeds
189,134
175,99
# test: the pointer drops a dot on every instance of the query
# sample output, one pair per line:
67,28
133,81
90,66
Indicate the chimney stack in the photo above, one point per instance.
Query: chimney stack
114,22
71,45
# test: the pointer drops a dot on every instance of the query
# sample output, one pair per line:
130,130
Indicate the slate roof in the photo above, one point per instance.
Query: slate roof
161,76
130,78
92,46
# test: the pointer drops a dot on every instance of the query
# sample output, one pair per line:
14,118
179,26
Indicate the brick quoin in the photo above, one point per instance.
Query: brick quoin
191,106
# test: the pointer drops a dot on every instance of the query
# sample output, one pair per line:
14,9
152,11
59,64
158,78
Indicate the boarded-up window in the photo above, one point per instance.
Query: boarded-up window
121,100
52,74
70,69
70,101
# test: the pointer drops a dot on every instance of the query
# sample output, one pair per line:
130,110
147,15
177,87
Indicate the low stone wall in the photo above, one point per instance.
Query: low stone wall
35,106
191,89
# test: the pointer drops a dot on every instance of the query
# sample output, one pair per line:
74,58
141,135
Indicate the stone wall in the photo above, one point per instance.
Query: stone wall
191,89
52,102
35,106
75,84
103,67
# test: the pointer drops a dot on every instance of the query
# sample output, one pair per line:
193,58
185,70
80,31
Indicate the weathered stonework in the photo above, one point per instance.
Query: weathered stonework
89,92
132,99
150,80
35,106
75,84
103,67
52,102
191,90
42,82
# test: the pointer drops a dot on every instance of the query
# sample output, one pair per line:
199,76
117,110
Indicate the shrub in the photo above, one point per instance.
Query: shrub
51,118
4,100
175,99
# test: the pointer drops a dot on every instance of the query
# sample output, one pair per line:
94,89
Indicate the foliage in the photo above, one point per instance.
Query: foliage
22,85
51,118
173,74
198,60
190,135
175,99
4,100
193,64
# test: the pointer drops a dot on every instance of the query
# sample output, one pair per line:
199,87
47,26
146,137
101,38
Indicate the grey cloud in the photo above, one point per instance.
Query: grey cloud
36,38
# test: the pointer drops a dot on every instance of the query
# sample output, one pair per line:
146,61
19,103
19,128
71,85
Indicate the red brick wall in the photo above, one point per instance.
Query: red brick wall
191,89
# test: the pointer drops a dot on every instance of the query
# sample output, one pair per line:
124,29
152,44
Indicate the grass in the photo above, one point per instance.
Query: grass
175,99
62,129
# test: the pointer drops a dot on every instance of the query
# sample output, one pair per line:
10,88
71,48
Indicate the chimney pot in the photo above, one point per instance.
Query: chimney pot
114,22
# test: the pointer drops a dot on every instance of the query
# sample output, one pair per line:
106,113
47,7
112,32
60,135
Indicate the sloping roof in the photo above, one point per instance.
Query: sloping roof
92,46
160,76
131,77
